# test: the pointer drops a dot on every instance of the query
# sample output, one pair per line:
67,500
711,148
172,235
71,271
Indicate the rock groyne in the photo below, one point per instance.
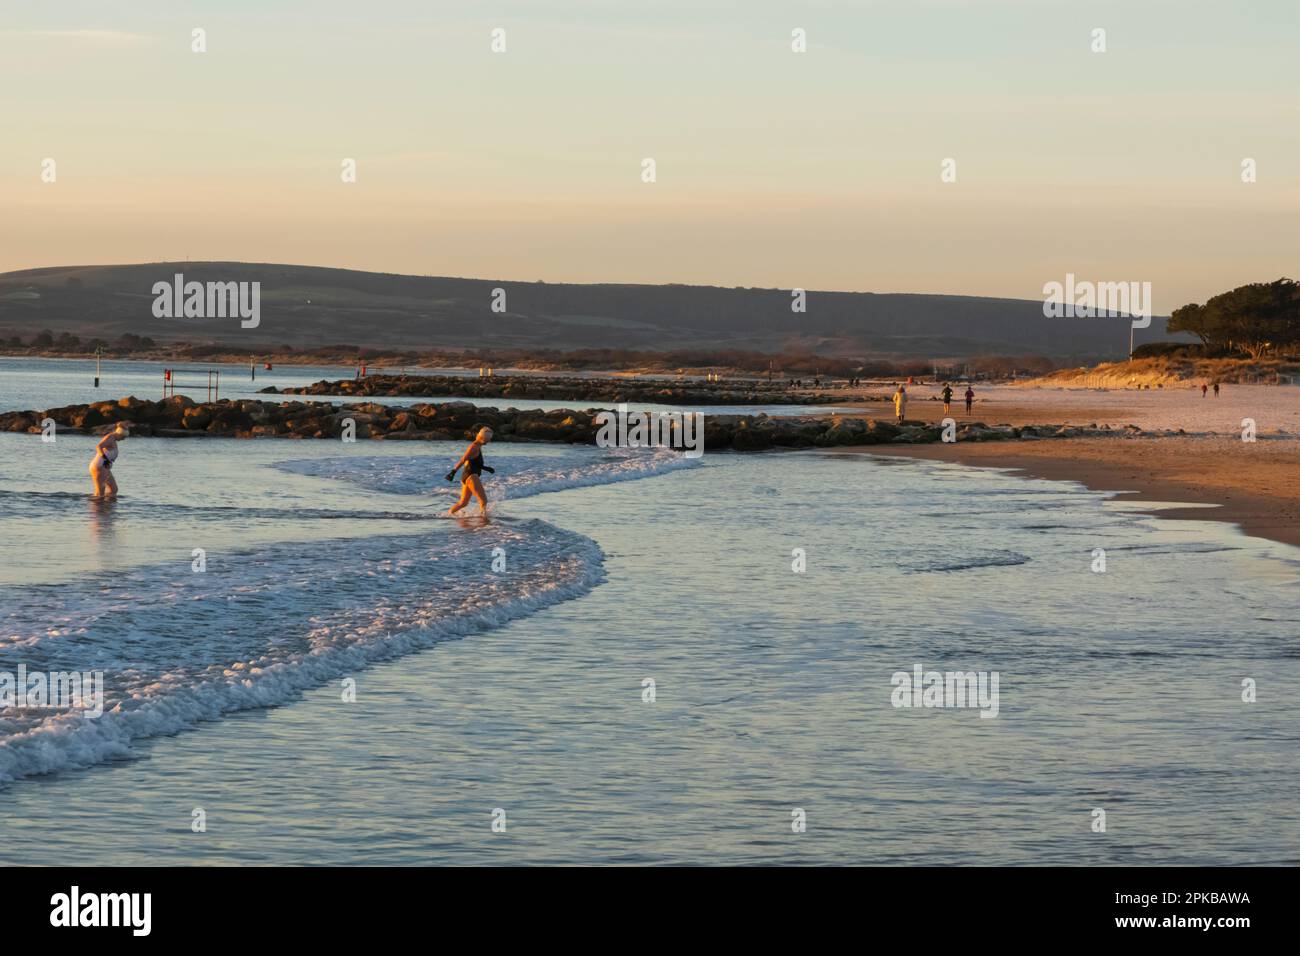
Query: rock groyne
180,417
565,389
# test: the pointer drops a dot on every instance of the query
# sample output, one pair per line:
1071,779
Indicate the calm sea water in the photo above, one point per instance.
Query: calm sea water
521,688
50,383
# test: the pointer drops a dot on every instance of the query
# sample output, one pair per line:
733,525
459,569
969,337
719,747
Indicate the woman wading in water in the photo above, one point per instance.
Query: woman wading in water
470,482
101,466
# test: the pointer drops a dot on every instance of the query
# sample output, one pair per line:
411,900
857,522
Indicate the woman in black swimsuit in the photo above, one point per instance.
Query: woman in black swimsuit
101,466
470,483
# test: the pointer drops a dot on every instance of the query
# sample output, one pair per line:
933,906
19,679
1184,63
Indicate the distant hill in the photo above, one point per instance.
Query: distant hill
307,306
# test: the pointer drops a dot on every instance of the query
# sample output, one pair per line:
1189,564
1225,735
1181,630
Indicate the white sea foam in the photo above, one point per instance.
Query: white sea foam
258,628
518,475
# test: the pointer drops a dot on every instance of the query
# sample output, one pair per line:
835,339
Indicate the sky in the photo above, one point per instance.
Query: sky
773,168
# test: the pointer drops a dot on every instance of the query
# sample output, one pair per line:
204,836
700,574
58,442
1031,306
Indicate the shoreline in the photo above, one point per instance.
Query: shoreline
1250,486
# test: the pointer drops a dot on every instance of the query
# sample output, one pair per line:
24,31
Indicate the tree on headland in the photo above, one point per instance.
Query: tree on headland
130,342
1256,319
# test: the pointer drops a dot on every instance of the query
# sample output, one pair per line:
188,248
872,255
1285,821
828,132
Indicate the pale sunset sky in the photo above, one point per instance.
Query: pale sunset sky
780,169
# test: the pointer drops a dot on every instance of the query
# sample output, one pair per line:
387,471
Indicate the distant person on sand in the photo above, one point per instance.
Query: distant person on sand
947,398
101,466
1216,389
970,397
900,402
470,482
1204,388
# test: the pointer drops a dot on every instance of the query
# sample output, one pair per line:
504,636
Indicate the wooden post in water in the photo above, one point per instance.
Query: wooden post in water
99,351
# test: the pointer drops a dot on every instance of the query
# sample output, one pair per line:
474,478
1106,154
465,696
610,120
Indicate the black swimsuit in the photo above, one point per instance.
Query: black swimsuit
474,466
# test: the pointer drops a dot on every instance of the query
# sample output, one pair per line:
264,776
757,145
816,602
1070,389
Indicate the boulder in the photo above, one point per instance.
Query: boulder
196,418
746,438
178,402
229,419
883,430
90,418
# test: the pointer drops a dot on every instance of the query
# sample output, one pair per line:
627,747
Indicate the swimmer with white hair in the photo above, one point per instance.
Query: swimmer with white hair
470,482
101,466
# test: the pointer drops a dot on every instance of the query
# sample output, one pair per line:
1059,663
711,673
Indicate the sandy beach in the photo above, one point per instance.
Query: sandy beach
1274,408
1251,484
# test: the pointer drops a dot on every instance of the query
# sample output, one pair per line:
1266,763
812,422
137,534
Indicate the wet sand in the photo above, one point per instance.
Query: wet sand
1253,485
1274,409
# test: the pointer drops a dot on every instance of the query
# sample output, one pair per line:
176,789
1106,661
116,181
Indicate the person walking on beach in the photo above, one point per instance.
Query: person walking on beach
101,466
470,482
970,397
1216,389
1204,388
947,398
900,403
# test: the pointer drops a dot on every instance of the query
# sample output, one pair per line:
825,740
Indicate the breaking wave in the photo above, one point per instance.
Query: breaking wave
258,628
517,475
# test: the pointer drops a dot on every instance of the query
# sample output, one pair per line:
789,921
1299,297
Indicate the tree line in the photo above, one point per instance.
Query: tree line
1255,319
67,341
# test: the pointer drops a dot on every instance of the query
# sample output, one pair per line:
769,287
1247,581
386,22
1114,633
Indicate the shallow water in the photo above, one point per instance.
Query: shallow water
522,689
